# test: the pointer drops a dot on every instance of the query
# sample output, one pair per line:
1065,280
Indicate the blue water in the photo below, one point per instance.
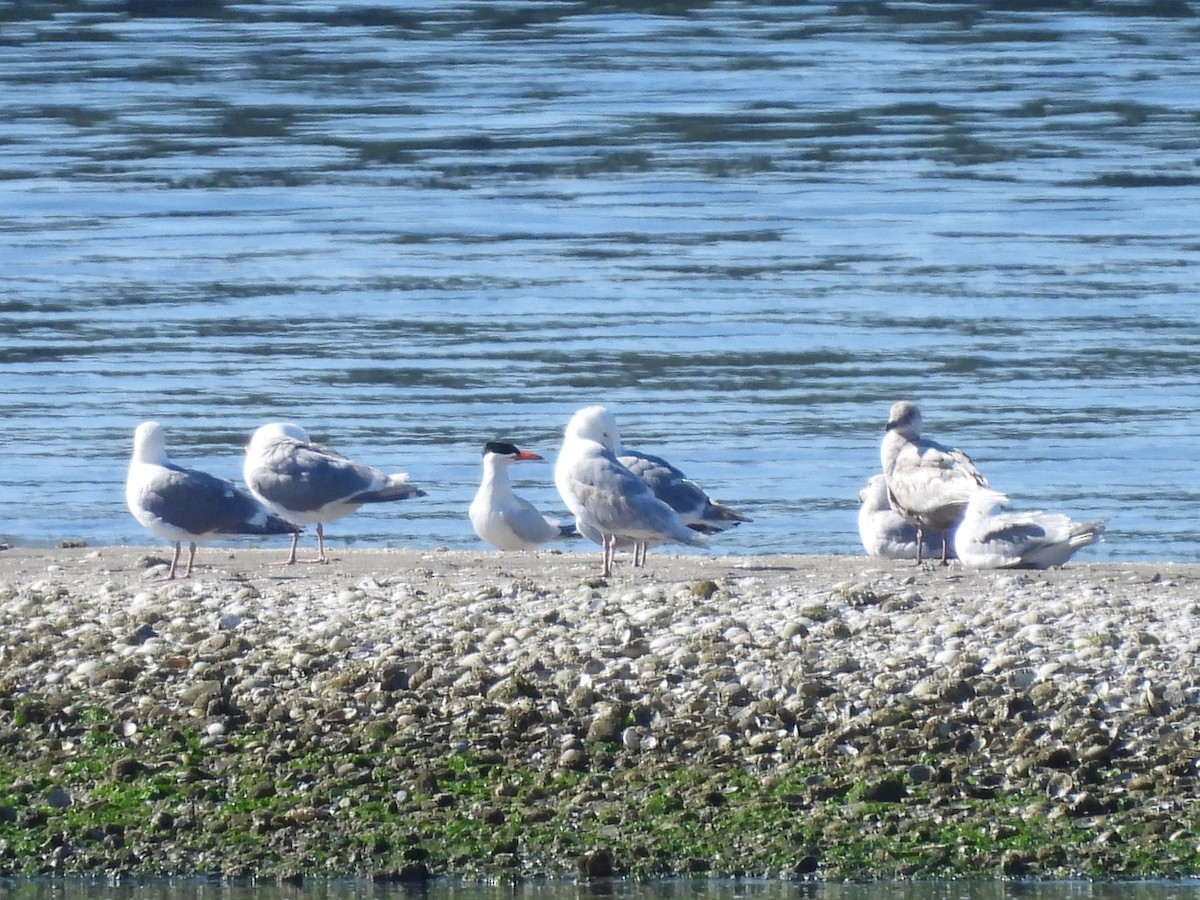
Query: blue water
745,227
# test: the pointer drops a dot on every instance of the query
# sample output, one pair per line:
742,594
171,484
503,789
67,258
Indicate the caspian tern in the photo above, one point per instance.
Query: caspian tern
499,516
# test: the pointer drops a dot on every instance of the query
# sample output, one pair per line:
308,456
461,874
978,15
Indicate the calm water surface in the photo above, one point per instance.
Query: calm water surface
745,227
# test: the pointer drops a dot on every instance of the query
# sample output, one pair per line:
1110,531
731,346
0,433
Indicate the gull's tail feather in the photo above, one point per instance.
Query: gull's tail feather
397,488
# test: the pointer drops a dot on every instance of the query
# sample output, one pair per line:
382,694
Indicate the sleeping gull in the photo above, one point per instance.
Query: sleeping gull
884,532
499,516
989,539
306,483
927,483
606,498
181,504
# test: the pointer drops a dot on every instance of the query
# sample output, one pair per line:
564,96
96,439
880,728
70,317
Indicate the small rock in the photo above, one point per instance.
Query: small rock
607,725
573,759
597,864
806,865
921,774
59,799
890,790
143,633
126,768
1014,864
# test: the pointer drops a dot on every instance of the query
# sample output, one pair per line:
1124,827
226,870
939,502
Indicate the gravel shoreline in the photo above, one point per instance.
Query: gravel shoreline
405,714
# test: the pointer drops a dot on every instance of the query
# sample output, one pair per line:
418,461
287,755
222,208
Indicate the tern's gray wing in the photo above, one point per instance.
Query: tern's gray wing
200,504
528,524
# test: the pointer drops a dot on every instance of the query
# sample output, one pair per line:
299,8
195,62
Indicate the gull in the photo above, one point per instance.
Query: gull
607,499
180,504
884,532
305,482
699,511
927,483
499,516
989,539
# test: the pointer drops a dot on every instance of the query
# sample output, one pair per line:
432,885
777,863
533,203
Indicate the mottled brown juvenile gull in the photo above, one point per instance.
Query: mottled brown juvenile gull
987,538
606,498
884,532
307,483
499,516
180,504
928,484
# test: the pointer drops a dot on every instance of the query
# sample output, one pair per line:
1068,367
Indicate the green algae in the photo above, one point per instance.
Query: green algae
274,804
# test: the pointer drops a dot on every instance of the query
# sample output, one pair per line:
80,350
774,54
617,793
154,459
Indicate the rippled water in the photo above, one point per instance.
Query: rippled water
745,227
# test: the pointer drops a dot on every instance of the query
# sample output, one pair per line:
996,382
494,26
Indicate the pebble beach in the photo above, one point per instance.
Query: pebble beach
408,714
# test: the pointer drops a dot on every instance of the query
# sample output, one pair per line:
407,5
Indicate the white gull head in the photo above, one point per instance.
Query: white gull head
595,423
150,444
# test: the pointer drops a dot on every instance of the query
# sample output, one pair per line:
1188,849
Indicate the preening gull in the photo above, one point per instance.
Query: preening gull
179,504
927,483
606,498
499,516
307,483
987,538
884,532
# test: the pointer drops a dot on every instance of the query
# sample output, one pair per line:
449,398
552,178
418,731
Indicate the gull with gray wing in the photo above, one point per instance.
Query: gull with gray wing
307,483
884,532
987,538
698,510
179,504
608,499
670,485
